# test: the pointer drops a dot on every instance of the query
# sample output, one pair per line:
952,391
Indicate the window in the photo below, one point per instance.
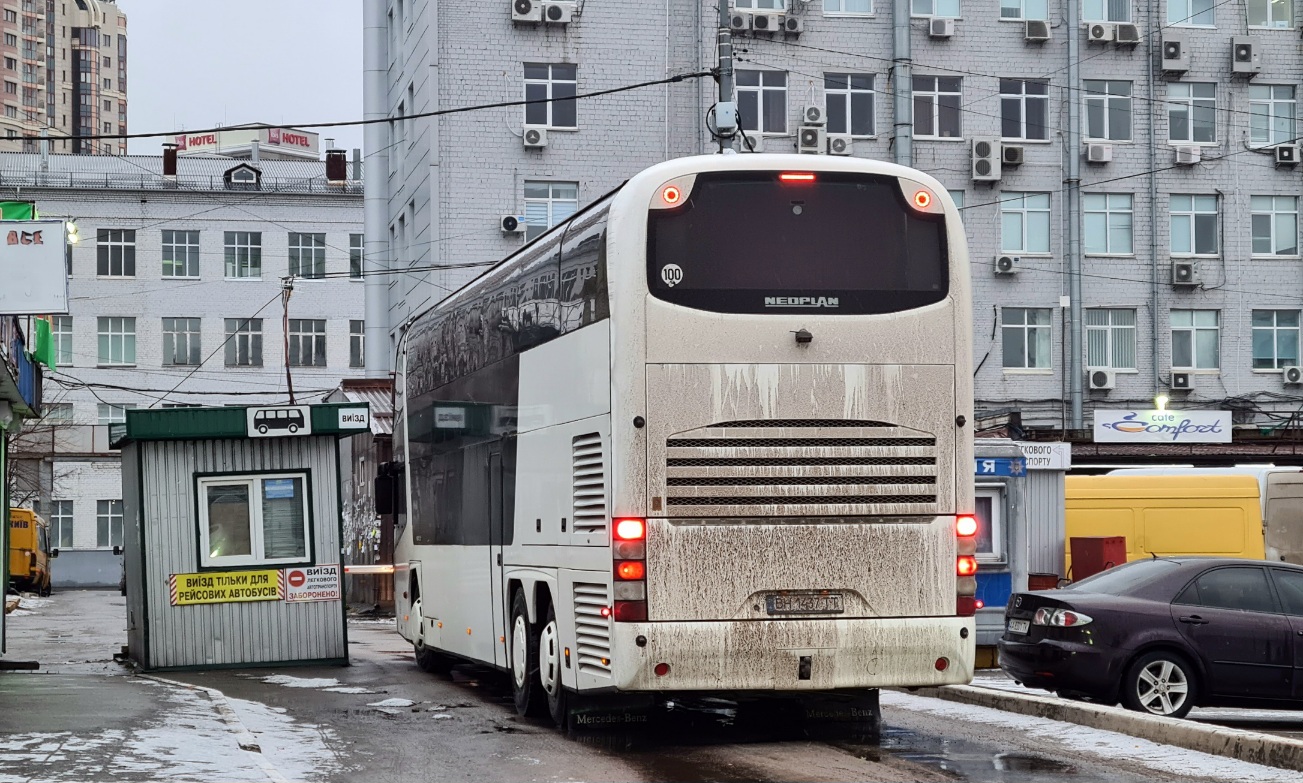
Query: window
115,253
936,107
1275,339
1191,112
117,341
11,16
846,7
1194,13
547,204
946,8
761,5
1271,13
356,252
248,520
1108,110
61,523
58,412
1106,11
1196,339
1107,223
243,254
1024,109
11,88
762,101
1274,225
1027,337
181,341
180,253
307,342
356,343
11,39
61,334
1111,339
243,342
1025,9
1243,588
1271,114
108,531
113,414
1194,225
1290,586
1024,222
558,81
849,100
989,510
308,255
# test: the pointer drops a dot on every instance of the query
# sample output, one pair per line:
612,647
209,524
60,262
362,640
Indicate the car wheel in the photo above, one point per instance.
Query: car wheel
262,428
524,659
1160,683
294,428
549,670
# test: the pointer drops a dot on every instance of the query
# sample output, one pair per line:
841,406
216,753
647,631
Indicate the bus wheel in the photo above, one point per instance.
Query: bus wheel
549,670
431,661
524,659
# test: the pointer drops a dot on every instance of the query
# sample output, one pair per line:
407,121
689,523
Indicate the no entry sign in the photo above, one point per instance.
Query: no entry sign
318,583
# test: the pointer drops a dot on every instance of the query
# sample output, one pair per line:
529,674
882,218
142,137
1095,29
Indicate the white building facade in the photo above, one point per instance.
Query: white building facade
177,298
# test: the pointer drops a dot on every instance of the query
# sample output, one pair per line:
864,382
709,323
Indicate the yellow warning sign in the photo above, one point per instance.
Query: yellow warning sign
221,587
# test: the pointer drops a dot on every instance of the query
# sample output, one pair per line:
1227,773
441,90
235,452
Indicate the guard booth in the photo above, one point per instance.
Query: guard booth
1019,505
232,530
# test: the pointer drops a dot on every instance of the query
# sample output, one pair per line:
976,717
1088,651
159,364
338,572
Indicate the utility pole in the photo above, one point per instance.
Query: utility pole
1076,376
726,109
287,288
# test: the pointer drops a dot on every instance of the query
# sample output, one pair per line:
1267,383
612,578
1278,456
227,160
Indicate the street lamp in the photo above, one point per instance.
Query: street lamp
73,236
1160,402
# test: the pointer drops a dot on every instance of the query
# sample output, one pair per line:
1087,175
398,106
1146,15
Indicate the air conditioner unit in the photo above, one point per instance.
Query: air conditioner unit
1244,56
1185,273
1102,380
1101,32
1127,34
813,114
839,144
1036,30
941,28
512,224
1011,155
793,25
1099,153
986,160
739,23
1291,375
1287,155
1007,265
534,138
756,141
767,23
526,11
1188,155
1176,58
1181,381
558,13
811,140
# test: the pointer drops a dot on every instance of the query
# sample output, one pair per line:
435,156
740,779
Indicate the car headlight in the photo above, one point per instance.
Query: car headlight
1062,618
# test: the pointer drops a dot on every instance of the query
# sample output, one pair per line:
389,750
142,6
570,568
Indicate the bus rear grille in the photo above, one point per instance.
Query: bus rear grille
592,630
588,483
817,466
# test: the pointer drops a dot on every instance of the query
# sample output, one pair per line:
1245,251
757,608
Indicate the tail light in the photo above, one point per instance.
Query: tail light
1061,618
629,551
966,603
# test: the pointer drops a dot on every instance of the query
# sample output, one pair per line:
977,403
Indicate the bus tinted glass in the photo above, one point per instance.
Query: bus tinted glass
845,243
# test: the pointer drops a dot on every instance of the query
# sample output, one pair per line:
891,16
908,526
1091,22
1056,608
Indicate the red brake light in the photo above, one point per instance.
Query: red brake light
965,606
631,611
922,199
671,194
630,529
796,176
630,570
966,526
966,565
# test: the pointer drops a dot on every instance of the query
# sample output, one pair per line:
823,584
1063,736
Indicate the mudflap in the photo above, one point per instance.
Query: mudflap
848,716
609,719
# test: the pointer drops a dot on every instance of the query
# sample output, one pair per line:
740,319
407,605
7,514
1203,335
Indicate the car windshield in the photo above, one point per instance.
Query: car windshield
1125,578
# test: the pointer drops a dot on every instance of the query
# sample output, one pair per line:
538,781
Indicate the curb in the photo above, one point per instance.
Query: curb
243,737
1238,744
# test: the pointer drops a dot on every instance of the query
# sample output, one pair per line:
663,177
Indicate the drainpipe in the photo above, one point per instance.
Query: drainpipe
375,102
902,83
1153,206
1076,375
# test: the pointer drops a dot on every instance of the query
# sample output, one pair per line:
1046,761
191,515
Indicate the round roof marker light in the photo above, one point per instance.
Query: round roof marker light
672,195
922,199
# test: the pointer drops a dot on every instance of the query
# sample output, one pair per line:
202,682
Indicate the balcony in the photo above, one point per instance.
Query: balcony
58,438
20,378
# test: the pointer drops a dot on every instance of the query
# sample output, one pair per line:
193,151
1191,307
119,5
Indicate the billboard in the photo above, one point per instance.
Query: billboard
1137,426
33,266
296,143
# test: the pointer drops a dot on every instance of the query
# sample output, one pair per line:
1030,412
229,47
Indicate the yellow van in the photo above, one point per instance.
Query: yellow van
1189,514
29,551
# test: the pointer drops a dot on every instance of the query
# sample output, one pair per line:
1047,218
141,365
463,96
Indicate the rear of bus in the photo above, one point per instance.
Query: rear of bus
791,382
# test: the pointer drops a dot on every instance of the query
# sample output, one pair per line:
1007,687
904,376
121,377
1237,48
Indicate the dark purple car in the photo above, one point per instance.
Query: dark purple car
1165,635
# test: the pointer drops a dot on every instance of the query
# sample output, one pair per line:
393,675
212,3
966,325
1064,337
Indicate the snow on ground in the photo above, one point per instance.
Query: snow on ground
299,751
393,703
1097,742
301,682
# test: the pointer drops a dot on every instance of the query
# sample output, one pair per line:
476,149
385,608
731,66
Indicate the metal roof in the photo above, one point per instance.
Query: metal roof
145,172
377,394
212,423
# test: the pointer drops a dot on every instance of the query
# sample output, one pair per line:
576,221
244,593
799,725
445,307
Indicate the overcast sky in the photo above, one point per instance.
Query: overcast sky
195,64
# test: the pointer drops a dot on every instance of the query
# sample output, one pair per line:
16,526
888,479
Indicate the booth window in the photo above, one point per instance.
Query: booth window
990,523
253,520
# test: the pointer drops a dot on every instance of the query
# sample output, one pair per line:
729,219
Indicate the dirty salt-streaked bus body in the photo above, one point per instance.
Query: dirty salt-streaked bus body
708,436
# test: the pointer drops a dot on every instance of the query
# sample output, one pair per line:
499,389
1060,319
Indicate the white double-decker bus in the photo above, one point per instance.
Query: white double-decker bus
709,435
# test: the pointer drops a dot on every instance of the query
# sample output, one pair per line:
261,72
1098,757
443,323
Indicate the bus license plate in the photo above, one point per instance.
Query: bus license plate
1018,626
804,603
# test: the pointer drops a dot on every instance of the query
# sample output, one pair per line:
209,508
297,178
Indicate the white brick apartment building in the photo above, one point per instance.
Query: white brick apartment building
1234,213
175,299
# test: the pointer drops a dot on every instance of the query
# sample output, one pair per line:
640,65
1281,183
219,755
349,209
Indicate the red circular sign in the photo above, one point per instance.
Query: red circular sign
297,578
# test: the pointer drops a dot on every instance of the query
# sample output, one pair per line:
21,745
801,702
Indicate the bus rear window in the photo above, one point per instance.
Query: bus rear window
842,243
